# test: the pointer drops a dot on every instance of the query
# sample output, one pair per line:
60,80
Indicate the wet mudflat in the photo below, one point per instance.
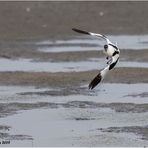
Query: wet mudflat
46,68
44,96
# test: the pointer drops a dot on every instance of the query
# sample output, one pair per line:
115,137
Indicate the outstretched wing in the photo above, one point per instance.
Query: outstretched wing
93,34
98,78
95,81
103,72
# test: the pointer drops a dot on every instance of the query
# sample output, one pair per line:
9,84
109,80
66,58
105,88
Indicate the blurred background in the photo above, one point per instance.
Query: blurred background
25,19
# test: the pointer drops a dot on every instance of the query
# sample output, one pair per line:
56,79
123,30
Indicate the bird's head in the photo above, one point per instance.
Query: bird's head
105,47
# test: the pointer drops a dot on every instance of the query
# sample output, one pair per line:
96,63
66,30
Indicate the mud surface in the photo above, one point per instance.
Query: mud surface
72,79
138,130
8,109
144,94
5,135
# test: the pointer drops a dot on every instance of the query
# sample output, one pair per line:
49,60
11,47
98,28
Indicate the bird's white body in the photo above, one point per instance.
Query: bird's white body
110,50
105,70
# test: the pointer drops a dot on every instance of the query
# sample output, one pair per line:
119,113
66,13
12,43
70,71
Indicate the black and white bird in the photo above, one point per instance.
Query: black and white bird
110,50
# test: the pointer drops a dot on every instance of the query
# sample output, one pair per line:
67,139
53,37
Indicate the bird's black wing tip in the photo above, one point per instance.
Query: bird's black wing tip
74,29
95,81
80,31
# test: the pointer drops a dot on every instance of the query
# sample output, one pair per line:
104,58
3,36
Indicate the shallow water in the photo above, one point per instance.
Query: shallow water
47,126
134,42
104,94
71,126
124,93
90,64
11,93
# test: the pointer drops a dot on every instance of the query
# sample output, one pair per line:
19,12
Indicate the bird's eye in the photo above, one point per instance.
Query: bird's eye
105,46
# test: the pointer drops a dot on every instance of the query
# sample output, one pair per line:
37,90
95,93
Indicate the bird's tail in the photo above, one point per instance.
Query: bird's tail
98,78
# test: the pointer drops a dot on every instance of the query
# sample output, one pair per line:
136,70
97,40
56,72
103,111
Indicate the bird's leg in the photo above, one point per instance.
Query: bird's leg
110,60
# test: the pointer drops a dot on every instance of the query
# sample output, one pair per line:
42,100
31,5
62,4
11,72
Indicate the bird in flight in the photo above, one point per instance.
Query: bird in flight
110,50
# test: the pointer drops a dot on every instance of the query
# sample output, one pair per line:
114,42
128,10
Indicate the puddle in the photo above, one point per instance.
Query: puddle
28,65
134,42
67,49
31,66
